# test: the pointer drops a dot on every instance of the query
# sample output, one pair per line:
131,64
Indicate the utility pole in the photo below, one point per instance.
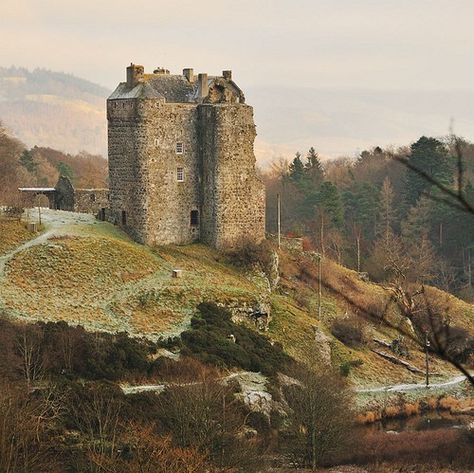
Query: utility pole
427,345
358,253
469,267
279,219
39,210
320,258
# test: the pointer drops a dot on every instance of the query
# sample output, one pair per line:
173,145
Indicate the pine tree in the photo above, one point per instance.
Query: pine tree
330,202
27,161
430,156
296,169
314,171
387,212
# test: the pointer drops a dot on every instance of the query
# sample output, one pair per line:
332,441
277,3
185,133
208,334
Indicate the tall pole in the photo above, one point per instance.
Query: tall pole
469,267
427,345
319,285
39,210
279,219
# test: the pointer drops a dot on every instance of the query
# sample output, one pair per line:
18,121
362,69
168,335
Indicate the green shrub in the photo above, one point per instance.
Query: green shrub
208,340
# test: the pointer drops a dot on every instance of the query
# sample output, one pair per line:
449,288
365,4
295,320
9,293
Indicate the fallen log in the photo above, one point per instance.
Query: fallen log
397,361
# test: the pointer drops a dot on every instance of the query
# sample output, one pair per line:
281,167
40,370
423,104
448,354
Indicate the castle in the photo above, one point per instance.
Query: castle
181,160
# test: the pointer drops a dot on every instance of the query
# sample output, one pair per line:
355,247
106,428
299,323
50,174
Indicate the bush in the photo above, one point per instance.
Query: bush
348,331
208,340
345,367
321,419
249,254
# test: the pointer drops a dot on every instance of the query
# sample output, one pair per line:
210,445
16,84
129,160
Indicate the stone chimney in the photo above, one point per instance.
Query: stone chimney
227,75
134,74
189,74
203,85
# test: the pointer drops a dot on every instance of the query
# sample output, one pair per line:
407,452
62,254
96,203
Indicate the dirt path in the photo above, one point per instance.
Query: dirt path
401,388
57,222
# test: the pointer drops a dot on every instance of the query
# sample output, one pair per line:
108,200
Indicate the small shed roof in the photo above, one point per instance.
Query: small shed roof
37,189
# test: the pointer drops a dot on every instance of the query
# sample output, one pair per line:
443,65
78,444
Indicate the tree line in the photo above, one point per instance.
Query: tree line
392,213
27,167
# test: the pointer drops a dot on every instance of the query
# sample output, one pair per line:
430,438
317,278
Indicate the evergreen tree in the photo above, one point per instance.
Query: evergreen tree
296,169
330,202
27,161
65,170
430,156
313,169
387,212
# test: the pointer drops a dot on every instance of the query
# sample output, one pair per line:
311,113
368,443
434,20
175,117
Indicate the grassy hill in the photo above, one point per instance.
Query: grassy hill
53,109
89,273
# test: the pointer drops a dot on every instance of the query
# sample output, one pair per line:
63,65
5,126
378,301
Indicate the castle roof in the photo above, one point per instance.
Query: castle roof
177,88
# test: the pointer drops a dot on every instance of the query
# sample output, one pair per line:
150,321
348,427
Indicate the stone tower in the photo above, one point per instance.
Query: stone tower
181,160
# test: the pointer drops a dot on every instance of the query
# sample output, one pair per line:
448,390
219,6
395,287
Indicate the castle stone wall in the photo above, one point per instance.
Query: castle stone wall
92,201
127,176
218,197
233,209
170,201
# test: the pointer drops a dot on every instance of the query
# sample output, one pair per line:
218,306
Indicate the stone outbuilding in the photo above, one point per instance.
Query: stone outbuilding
65,197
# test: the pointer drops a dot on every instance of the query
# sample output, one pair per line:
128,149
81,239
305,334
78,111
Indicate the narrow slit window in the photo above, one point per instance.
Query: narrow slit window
180,174
179,147
194,217
124,218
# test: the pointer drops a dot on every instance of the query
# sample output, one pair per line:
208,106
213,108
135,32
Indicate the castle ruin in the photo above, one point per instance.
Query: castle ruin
181,160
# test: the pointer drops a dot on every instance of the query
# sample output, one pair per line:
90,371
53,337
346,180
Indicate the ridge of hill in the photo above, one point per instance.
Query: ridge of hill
89,273
46,108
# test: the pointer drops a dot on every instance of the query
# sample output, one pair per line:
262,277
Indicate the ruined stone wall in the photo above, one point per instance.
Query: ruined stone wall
92,201
233,205
170,201
127,175
64,196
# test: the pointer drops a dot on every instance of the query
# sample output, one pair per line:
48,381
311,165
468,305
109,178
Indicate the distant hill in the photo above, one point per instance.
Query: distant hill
345,121
61,111
53,109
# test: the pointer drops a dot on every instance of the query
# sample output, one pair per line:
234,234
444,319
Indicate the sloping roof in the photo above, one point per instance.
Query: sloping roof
36,189
144,90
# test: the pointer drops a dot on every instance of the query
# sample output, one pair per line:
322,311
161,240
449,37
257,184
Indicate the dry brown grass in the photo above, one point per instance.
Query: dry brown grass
12,234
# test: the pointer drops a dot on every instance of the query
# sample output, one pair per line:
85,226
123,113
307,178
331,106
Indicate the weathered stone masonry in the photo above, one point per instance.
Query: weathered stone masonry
65,197
181,160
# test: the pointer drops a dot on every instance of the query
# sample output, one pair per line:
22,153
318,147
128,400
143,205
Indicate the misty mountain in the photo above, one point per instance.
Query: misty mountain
345,121
53,109
62,111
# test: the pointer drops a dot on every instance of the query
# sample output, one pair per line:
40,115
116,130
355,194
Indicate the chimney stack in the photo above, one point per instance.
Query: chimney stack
189,74
227,75
203,85
134,74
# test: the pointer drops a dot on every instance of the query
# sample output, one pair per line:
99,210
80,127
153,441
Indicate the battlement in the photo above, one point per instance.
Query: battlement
178,88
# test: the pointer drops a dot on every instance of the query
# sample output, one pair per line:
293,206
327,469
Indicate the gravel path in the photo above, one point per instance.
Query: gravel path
401,388
57,223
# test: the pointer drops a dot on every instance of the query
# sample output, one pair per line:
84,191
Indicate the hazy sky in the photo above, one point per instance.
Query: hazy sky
368,44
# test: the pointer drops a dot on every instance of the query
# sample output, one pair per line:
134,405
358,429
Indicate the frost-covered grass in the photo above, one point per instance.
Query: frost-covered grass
12,234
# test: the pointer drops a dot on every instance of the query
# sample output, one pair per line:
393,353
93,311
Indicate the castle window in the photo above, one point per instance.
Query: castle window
180,174
194,217
92,197
124,218
179,147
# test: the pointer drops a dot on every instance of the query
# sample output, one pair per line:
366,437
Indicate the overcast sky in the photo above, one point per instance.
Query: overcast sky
348,44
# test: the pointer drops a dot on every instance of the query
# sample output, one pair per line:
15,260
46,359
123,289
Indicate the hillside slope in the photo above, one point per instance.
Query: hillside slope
53,109
89,273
